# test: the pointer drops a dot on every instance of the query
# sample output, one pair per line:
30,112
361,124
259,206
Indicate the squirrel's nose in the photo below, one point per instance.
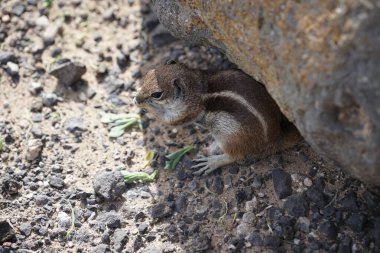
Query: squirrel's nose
137,100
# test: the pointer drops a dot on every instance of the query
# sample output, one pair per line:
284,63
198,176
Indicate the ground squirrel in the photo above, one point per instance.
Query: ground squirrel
238,111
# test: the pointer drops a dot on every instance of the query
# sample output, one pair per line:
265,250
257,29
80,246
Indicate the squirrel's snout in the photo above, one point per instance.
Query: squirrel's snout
137,100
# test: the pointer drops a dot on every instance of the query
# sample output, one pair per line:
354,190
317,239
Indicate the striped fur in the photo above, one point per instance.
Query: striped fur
241,100
238,111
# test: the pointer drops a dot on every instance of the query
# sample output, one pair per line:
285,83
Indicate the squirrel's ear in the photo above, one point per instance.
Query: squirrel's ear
177,83
170,62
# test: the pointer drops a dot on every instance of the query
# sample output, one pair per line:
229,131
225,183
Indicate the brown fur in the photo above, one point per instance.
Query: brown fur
192,94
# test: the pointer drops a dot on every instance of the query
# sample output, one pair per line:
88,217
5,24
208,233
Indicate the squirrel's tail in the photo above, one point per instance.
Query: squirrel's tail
291,136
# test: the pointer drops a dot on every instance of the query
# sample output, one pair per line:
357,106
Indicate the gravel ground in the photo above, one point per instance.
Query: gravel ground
61,67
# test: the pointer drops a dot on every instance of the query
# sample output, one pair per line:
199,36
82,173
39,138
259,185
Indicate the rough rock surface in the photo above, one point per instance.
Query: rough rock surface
109,185
68,72
73,195
318,59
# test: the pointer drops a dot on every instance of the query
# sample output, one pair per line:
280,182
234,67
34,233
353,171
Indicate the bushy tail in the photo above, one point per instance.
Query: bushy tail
291,136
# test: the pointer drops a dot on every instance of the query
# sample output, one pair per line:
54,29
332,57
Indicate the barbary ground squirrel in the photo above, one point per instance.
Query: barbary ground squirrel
238,111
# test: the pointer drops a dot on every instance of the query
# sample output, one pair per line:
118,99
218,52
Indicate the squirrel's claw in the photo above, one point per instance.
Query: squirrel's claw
206,165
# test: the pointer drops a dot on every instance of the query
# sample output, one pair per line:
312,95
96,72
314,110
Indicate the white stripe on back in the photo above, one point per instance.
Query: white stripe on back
243,102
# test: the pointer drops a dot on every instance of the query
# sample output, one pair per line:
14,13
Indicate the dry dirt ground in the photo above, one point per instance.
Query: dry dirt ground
61,189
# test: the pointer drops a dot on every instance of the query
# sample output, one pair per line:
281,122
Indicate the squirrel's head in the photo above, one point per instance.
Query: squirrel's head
170,91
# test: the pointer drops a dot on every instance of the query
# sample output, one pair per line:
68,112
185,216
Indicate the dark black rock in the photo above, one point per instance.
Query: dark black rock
275,213
68,72
315,245
83,235
304,224
110,219
142,228
376,232
287,225
181,203
10,185
161,210
116,100
349,202
257,182
316,196
201,243
106,236
345,245
272,241
237,243
109,185
255,239
240,196
56,182
18,9
150,238
3,35
329,211
233,170
109,15
161,37
25,228
181,173
150,22
74,124
218,185
76,3
120,239
328,230
296,205
136,74
12,69
138,243
282,183
42,200
300,248
6,232
56,52
101,248
6,57
50,99
37,117
122,60
36,106
356,222
370,199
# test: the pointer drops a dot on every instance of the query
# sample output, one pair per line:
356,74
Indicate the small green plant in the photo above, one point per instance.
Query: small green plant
148,158
121,122
47,3
133,177
1,143
174,158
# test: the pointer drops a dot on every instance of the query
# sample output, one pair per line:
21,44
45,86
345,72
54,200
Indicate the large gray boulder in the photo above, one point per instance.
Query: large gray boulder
320,60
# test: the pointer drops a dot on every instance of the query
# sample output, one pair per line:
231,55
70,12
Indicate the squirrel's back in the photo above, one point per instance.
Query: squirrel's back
244,118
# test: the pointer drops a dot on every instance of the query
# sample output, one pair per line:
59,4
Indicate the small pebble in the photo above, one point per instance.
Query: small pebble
307,182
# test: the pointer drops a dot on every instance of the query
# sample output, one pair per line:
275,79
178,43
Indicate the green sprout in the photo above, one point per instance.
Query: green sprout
148,158
121,122
1,143
132,177
175,157
47,3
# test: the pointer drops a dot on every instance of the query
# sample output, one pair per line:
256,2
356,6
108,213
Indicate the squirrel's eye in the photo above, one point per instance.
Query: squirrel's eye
157,94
